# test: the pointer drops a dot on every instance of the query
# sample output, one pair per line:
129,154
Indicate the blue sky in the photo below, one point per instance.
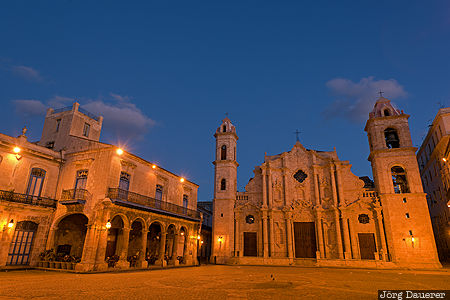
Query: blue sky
164,73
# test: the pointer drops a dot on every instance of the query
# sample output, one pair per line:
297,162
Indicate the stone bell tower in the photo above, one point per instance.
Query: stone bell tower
409,235
225,187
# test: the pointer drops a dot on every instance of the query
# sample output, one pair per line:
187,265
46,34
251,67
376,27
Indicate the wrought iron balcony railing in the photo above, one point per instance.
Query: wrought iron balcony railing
27,199
144,202
76,195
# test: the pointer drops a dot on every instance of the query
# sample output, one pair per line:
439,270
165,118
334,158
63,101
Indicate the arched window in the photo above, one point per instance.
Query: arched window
399,180
387,113
391,137
223,153
223,184
35,184
224,128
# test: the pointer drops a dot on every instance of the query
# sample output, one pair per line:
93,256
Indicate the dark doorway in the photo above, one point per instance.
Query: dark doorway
367,246
250,246
305,239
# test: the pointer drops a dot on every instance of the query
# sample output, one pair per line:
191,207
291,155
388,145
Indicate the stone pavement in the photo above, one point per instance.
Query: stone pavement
218,282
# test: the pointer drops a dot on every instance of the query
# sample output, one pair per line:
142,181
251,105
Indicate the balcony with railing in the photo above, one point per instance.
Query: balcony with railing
27,199
75,196
134,200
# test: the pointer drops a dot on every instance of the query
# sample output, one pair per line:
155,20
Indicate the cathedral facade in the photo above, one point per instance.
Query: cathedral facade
306,207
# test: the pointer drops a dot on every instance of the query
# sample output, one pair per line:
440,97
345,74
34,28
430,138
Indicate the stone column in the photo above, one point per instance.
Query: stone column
333,186
123,255
319,233
289,235
383,248
51,238
284,187
237,240
269,186
162,250
89,248
348,251
340,189
143,251
338,233
316,187
351,218
264,187
265,237
174,259
272,237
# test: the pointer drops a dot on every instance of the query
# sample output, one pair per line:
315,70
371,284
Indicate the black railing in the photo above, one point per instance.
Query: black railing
27,199
59,110
90,115
76,195
123,195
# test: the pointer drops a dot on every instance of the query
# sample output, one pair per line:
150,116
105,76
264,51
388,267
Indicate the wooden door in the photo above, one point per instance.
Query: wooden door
250,245
367,246
20,247
305,239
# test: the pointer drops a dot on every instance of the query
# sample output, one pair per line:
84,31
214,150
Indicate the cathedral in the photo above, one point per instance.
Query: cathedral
306,207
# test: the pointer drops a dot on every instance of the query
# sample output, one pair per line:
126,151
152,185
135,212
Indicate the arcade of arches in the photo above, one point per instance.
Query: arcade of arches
126,243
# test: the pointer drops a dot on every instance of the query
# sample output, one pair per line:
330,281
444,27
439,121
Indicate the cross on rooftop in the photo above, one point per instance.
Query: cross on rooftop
297,132
381,93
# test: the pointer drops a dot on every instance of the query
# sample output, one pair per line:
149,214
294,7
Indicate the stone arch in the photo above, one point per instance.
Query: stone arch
183,242
125,220
392,137
70,235
153,251
400,179
170,241
141,220
115,240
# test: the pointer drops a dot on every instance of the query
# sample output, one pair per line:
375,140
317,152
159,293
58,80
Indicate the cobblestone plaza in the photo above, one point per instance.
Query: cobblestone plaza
218,282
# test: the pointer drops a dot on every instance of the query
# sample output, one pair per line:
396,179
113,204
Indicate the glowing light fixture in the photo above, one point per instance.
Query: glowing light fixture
181,179
413,239
154,167
198,237
17,150
11,224
201,242
220,239
119,151
444,159
182,233
108,224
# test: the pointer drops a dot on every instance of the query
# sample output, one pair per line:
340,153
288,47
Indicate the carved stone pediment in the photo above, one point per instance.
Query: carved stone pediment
84,162
128,164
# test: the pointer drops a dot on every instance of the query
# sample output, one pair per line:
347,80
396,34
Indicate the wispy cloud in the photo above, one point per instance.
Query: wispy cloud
354,100
121,118
27,73
30,107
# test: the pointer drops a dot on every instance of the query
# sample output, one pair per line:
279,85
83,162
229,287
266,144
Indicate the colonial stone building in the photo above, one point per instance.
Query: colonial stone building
434,157
92,203
307,207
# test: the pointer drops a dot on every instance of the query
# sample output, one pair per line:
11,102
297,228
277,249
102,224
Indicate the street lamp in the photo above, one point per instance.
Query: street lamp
108,224
11,224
